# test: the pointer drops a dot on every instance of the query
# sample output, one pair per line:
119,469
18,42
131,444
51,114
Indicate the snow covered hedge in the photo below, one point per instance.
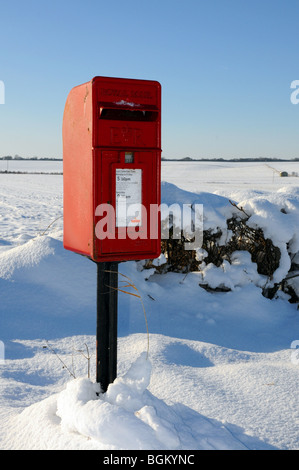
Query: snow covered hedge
253,241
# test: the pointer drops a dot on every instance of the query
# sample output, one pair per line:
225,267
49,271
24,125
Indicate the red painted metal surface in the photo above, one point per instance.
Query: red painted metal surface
112,132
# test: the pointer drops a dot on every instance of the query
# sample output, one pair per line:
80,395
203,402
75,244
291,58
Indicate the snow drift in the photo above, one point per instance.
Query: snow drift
219,373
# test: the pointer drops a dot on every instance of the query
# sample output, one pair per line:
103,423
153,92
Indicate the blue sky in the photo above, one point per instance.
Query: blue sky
225,67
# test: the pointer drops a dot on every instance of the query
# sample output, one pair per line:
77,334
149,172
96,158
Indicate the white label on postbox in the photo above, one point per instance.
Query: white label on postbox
128,197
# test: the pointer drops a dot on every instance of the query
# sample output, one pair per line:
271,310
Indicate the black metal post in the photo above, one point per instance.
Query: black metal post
106,334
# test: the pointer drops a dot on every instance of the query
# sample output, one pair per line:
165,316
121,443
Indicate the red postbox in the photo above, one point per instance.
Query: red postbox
112,169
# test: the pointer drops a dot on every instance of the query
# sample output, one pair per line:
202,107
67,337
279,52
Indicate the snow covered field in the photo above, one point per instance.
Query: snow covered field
222,371
28,166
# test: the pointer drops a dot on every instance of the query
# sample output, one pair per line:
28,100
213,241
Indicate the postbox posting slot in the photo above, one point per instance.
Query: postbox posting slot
125,114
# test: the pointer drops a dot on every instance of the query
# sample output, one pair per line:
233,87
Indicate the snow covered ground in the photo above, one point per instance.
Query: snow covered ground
222,371
29,166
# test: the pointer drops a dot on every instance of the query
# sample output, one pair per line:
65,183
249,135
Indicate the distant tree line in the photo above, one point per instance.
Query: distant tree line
18,157
254,159
185,159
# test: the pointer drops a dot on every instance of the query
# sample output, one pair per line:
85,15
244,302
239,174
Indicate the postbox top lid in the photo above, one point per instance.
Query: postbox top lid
127,91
